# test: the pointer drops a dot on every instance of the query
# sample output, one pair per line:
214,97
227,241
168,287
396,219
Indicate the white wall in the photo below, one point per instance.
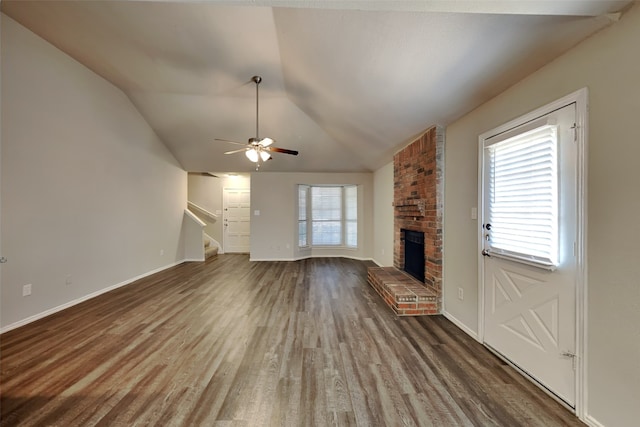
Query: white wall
383,215
193,238
274,231
89,193
609,65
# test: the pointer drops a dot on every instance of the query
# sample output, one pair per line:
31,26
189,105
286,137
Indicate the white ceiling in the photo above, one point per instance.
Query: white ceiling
346,83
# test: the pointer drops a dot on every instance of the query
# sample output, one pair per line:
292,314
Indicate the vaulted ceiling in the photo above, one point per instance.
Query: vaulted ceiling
346,83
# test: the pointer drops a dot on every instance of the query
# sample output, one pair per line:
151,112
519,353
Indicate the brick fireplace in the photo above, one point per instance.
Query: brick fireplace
418,172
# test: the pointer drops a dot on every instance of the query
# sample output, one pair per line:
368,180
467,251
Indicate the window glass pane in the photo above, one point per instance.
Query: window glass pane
302,202
303,191
351,202
523,196
326,203
351,233
302,233
351,215
326,233
326,215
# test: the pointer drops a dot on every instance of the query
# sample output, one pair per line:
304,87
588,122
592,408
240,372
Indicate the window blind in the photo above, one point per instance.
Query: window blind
523,196
351,215
303,191
326,215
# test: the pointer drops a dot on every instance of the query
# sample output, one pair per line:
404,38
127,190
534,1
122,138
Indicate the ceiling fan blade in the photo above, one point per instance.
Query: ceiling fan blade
231,142
281,150
236,151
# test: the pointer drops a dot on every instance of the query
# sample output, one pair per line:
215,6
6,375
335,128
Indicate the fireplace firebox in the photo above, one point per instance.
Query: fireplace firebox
414,253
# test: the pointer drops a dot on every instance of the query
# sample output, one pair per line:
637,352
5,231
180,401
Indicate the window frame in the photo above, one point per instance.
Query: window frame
344,221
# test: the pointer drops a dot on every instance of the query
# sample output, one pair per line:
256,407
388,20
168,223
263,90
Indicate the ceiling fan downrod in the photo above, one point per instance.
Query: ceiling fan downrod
257,80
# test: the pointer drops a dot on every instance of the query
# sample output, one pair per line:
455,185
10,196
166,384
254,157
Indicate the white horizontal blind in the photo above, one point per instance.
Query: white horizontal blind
523,196
351,215
326,216
303,191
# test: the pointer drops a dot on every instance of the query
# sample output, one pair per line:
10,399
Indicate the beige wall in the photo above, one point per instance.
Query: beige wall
609,65
274,231
383,216
88,191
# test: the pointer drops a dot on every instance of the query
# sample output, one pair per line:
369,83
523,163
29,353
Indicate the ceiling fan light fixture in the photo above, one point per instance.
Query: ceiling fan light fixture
265,142
264,155
252,154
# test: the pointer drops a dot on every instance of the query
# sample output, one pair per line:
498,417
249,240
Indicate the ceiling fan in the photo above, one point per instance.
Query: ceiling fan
257,148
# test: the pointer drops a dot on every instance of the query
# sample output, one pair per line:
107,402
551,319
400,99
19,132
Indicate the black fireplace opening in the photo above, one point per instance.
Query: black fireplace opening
414,253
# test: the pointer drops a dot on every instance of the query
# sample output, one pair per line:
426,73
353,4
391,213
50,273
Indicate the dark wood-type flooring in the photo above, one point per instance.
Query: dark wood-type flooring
234,343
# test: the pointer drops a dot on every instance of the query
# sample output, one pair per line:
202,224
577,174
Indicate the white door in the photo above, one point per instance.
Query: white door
530,291
236,220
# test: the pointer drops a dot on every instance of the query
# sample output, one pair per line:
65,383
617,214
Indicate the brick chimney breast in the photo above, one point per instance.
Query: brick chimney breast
418,172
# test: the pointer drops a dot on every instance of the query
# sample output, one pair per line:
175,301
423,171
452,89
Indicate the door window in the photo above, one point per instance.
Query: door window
522,220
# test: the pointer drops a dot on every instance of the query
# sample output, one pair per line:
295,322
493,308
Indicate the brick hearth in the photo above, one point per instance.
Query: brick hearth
418,172
405,295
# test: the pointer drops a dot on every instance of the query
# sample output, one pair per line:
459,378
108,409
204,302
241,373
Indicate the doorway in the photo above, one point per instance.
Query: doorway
531,244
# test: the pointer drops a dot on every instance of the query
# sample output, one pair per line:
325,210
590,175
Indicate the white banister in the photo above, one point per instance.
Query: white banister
210,214
195,218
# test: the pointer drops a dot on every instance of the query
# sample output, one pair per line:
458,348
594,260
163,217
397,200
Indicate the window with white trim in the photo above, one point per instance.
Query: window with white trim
328,215
523,196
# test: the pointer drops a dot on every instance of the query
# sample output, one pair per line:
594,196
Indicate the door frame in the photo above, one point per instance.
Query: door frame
580,98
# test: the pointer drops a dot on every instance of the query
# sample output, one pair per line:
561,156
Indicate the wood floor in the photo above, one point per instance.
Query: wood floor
234,343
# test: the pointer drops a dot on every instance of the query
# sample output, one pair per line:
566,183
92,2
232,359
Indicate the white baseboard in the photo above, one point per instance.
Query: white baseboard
592,422
53,310
192,260
310,256
461,326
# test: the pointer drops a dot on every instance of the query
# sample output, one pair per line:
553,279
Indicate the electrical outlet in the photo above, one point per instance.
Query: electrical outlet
26,290
161,252
460,294
68,280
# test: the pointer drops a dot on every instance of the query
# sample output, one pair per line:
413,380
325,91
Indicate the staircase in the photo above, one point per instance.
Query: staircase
210,249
